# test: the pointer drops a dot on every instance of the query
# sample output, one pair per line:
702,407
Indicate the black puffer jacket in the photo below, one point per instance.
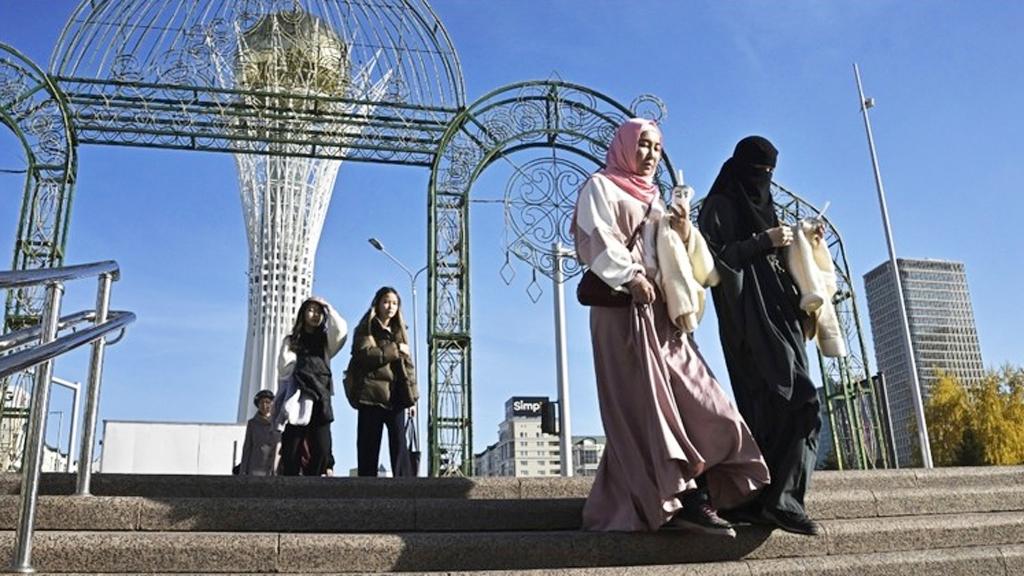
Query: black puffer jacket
381,375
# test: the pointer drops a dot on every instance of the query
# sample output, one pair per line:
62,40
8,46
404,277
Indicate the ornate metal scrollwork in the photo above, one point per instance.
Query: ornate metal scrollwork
552,135
539,201
153,73
32,107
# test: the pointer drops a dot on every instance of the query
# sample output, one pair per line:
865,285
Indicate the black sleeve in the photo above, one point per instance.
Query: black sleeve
718,224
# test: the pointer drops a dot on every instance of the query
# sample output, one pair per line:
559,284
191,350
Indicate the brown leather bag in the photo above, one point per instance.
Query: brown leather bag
592,291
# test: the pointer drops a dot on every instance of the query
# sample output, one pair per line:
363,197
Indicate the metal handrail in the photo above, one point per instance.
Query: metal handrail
23,278
42,357
26,335
26,359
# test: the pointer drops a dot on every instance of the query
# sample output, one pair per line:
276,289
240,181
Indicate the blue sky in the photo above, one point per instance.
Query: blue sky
946,76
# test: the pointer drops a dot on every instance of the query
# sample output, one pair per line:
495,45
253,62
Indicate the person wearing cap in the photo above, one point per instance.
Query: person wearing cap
261,439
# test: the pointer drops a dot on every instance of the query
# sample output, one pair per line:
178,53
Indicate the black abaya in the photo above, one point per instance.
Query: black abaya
759,323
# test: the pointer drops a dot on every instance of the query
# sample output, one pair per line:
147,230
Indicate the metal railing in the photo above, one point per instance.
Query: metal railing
40,358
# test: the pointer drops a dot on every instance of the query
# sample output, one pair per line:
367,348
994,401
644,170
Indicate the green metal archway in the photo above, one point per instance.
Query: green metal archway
558,118
547,117
35,110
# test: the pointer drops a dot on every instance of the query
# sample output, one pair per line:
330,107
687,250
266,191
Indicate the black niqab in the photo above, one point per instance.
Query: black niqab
744,180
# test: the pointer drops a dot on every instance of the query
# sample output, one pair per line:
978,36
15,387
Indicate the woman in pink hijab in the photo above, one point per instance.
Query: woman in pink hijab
676,449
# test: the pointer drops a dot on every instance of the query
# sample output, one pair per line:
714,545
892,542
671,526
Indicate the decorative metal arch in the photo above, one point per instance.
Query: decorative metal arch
858,440
551,116
35,110
162,74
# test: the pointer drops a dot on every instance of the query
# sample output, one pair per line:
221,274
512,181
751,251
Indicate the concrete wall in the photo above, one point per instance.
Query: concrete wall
170,447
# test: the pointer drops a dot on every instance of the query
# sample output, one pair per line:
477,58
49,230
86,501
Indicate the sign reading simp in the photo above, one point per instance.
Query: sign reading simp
526,406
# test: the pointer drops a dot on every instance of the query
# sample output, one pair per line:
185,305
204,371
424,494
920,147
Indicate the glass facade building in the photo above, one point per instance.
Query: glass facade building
942,334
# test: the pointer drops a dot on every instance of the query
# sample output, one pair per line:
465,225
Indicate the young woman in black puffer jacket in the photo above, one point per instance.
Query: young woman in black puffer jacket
381,382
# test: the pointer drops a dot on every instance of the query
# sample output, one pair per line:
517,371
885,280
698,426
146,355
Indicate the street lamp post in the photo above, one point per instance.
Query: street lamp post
415,313
915,386
561,355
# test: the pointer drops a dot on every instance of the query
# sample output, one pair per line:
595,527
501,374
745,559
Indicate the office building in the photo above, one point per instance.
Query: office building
524,450
942,334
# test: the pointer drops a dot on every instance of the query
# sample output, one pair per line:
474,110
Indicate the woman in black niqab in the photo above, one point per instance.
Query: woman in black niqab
760,325
746,178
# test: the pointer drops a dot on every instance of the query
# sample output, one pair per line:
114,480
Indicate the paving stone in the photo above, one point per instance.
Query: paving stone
825,480
842,504
1013,558
448,514
923,532
139,552
74,513
985,561
276,515
920,501
500,488
970,476
554,487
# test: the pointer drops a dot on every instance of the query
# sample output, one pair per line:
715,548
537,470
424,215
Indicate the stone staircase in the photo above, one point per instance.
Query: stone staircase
945,521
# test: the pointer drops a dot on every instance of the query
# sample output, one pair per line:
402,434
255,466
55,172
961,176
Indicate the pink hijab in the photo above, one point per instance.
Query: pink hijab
620,162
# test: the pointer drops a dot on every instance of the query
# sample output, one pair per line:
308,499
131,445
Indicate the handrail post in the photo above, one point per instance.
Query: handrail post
33,458
92,399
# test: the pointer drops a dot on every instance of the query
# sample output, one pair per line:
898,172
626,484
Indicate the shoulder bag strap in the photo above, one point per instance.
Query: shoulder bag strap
640,226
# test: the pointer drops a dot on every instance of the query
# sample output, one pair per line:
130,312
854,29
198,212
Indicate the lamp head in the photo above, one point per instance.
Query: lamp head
376,244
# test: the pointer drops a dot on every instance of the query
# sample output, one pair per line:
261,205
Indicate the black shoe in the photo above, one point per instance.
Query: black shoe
795,522
700,518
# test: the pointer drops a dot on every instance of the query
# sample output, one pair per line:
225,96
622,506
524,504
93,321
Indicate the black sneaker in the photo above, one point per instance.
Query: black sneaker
701,518
795,522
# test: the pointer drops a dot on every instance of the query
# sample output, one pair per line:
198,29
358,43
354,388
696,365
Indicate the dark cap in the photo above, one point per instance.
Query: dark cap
261,395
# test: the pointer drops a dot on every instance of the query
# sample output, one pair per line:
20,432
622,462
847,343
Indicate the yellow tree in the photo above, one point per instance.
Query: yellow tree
990,408
1012,384
949,415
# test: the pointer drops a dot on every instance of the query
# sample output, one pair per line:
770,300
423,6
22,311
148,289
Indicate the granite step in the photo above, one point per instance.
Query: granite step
183,486
966,561
442,514
207,552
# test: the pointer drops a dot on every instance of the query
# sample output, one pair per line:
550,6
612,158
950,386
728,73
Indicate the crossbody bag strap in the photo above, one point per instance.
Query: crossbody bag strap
636,233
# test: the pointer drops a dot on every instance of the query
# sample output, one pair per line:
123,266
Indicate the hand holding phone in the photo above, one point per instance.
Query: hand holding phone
682,195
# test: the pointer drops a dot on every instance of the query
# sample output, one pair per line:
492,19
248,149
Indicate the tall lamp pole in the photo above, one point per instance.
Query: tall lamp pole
415,313
915,385
561,357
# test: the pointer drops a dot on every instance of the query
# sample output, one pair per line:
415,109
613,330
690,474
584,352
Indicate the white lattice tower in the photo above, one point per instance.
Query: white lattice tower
286,57
285,202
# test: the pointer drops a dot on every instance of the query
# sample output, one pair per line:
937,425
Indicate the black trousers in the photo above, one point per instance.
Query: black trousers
317,438
372,420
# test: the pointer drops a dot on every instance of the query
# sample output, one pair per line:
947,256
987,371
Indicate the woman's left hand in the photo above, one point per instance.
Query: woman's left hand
681,224
641,289
819,231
